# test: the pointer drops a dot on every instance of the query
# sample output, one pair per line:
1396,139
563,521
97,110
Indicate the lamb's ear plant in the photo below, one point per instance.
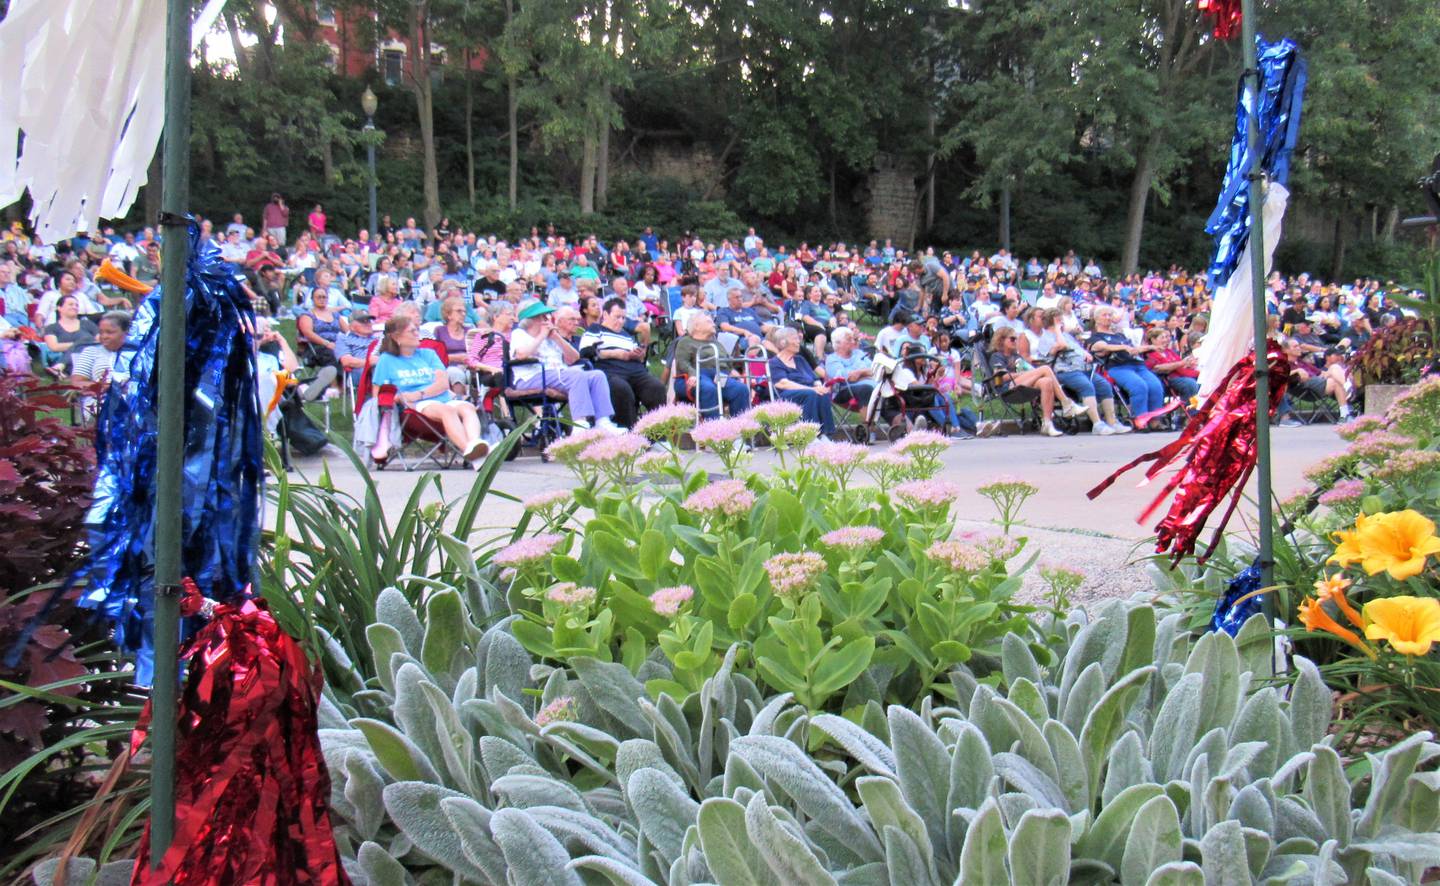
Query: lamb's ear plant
1138,757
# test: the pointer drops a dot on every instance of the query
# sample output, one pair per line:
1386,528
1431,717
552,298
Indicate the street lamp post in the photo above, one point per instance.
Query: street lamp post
368,104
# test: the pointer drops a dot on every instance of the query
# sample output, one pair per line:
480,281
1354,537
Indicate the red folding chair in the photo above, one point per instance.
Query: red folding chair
422,441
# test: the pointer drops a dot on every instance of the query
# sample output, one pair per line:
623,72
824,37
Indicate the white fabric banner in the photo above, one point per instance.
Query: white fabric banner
1232,319
84,81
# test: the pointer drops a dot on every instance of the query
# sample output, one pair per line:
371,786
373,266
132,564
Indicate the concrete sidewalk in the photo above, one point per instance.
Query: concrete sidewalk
1100,537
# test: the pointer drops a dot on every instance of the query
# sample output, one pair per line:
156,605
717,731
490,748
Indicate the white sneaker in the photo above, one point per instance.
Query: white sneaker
1102,429
1072,409
1048,430
582,424
609,427
476,450
1121,428
921,423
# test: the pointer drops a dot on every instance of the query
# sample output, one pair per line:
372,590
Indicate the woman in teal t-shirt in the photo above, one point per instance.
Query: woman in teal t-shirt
420,378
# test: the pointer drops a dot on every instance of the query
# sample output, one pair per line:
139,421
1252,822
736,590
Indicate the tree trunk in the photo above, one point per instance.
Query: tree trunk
425,108
602,160
512,116
1337,252
1392,221
1139,193
587,175
834,209
153,177
327,162
1005,215
242,58
1374,223
469,133
930,176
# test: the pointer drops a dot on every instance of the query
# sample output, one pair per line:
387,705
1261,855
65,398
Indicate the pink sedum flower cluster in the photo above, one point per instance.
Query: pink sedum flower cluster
725,498
667,601
611,450
1342,492
667,421
853,538
569,595
959,556
528,550
568,448
927,493
792,574
724,432
560,710
836,455
777,414
547,500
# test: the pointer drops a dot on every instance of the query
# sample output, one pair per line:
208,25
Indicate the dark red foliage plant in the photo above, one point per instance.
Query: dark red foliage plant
47,467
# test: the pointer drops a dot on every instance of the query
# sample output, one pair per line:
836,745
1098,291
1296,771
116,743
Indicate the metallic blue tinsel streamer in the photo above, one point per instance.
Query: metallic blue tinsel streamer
1283,74
1230,611
223,458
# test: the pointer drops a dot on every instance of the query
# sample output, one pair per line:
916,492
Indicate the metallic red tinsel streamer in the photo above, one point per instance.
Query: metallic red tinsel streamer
1220,440
1226,14
252,791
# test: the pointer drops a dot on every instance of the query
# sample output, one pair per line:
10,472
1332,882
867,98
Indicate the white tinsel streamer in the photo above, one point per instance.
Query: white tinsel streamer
84,80
1232,320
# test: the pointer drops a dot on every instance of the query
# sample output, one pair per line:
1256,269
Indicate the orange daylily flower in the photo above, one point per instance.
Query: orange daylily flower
1409,624
1333,589
1397,542
1347,547
1314,617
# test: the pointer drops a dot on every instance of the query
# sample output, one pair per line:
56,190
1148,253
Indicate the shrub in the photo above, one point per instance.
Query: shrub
837,624
1136,757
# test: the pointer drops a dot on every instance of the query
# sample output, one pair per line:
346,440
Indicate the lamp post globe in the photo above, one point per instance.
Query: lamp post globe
369,103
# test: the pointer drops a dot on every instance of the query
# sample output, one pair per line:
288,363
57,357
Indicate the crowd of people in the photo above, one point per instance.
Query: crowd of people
620,328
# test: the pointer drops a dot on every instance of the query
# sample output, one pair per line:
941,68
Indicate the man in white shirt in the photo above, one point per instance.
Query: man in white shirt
125,253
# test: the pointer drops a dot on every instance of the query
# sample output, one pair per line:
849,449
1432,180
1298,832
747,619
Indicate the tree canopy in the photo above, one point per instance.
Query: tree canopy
1048,124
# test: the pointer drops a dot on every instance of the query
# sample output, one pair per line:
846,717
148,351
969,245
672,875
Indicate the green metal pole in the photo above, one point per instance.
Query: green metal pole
1257,274
175,195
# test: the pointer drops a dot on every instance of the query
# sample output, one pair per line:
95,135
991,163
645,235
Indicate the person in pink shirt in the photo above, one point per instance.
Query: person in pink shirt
317,221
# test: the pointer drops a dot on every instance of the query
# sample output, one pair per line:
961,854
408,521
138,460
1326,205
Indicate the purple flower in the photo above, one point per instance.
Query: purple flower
667,601
528,550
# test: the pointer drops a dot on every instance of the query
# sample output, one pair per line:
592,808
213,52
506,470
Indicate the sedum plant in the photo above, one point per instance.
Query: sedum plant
1137,757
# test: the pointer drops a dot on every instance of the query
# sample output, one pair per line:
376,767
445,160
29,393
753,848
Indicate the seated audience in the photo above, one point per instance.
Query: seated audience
793,379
